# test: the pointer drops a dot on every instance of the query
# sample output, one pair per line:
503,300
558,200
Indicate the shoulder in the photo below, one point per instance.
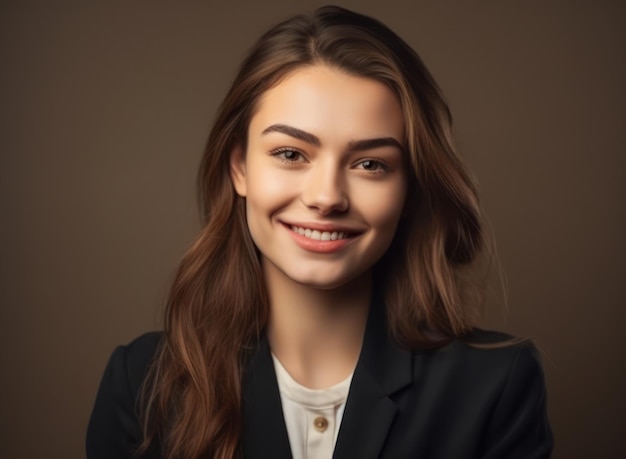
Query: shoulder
518,423
490,385
484,362
134,358
140,351
114,429
489,348
501,352
515,362
128,365
493,344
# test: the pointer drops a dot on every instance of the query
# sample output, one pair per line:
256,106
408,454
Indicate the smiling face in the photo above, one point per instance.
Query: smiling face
323,176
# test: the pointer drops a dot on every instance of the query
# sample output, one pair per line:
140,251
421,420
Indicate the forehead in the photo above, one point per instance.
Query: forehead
332,104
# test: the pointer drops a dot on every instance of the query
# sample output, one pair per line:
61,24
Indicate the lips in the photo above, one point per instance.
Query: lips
320,235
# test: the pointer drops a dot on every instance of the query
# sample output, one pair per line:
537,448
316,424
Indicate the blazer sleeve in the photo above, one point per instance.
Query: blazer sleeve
114,430
519,425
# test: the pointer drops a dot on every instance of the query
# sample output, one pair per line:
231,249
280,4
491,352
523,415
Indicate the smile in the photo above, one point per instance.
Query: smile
322,238
320,235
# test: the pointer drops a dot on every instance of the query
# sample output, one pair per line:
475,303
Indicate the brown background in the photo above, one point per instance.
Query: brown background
105,107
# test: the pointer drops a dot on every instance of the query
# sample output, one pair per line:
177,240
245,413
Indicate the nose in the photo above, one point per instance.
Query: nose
325,190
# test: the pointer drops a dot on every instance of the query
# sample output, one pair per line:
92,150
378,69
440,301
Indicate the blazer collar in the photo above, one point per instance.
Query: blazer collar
381,370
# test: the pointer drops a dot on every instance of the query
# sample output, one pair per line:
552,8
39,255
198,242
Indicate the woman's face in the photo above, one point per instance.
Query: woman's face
323,175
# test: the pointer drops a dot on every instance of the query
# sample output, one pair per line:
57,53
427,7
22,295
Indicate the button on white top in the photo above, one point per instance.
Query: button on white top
320,423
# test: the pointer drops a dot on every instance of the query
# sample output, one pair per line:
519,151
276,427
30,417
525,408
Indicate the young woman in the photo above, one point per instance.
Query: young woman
324,309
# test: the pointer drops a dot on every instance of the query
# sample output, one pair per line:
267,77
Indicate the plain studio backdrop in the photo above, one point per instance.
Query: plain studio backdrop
105,109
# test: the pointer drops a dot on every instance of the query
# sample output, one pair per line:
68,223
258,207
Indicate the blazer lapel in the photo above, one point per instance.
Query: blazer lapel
382,369
264,429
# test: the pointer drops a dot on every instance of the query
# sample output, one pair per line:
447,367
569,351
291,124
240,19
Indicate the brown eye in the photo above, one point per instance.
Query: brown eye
370,165
290,154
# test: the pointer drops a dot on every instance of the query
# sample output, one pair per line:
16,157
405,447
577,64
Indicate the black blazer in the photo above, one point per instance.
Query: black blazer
452,403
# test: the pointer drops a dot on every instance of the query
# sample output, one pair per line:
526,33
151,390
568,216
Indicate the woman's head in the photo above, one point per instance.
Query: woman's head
441,227
324,177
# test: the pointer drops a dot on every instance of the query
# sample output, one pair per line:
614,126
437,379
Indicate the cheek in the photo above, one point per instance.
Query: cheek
269,191
382,207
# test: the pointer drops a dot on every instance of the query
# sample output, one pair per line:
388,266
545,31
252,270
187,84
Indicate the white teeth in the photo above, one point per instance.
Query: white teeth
319,235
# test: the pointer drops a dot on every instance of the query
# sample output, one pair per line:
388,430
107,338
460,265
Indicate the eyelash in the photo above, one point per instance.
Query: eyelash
382,167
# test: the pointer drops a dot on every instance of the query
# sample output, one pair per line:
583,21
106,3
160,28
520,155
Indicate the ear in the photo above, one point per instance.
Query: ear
238,170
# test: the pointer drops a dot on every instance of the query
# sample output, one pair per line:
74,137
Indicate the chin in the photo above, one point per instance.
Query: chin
323,284
325,281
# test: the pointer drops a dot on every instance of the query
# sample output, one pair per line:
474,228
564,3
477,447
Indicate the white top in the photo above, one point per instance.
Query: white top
312,416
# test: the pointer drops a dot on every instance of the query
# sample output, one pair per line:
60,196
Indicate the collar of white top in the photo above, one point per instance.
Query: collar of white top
312,398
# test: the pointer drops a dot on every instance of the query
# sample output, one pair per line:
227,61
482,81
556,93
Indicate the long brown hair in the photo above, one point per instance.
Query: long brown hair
218,304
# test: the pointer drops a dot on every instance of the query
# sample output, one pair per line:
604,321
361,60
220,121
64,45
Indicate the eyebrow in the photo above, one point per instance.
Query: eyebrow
295,133
355,145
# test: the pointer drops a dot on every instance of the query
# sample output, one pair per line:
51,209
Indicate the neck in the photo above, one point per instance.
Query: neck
316,333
